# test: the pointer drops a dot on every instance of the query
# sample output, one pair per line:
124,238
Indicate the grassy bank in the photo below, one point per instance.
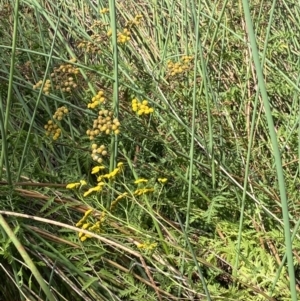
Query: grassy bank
149,150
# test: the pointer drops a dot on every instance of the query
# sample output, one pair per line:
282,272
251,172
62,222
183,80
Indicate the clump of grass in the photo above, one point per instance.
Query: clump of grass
159,180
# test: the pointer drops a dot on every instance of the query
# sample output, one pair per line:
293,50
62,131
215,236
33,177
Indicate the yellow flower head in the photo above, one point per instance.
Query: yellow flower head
121,196
143,191
162,180
93,189
104,11
117,200
73,185
142,180
120,165
86,226
83,238
97,169
79,224
109,32
88,213
147,246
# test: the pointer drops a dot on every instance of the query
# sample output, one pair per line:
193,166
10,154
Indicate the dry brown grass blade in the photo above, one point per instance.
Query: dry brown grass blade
52,237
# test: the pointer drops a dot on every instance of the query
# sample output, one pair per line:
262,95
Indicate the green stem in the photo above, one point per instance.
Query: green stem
276,152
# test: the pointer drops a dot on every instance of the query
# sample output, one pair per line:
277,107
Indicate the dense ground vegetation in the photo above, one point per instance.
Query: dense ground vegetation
138,158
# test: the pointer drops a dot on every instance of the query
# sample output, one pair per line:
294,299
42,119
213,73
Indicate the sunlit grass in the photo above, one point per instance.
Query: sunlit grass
145,157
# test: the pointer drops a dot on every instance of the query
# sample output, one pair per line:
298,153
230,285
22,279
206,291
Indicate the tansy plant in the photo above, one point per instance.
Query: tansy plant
141,107
103,180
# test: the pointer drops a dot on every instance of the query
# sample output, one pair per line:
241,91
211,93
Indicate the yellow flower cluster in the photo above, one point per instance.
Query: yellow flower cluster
94,45
117,200
141,107
144,190
124,36
180,67
64,76
97,188
135,22
112,175
85,217
162,180
76,185
46,88
100,179
147,246
141,180
104,124
104,10
98,25
96,169
60,112
89,225
98,152
96,100
96,226
52,129
83,223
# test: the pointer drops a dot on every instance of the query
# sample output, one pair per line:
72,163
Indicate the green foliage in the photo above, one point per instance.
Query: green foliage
186,150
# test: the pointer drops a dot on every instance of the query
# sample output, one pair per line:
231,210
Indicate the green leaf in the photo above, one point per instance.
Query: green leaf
89,282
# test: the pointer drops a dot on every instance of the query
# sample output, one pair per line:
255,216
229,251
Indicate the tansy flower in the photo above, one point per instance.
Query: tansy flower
104,10
112,174
116,201
142,180
93,189
162,180
85,226
147,246
79,224
88,213
83,182
97,169
83,238
76,185
121,196
102,217
95,227
143,191
120,165
73,185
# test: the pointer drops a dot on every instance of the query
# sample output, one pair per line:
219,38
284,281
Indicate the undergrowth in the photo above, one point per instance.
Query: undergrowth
137,158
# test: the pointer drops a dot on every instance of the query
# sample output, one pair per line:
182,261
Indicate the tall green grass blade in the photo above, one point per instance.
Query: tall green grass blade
113,24
10,89
27,259
277,156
